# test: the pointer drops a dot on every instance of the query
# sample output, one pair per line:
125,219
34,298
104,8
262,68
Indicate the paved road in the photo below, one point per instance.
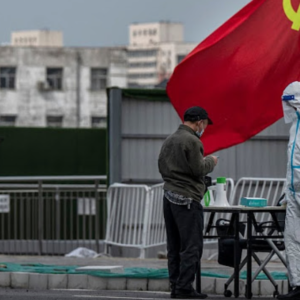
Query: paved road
10,294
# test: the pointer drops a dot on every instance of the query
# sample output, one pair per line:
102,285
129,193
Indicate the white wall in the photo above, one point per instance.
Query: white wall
154,33
42,38
32,105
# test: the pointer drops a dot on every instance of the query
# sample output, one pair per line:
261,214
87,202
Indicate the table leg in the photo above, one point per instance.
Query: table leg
275,220
236,250
249,256
210,223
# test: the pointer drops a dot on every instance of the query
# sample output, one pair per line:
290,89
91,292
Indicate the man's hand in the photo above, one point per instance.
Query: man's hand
215,158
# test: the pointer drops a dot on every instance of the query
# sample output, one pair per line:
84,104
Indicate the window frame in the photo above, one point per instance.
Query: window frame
8,123
56,123
11,76
98,82
55,81
102,122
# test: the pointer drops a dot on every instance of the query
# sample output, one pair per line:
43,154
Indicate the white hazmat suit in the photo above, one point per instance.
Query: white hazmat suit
291,109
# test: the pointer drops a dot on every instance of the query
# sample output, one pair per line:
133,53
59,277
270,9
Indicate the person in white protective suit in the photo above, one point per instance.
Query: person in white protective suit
291,109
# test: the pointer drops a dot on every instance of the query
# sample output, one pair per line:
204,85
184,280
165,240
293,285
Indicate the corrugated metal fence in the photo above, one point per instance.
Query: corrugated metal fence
139,123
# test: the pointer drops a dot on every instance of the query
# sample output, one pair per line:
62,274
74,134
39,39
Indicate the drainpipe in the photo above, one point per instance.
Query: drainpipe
78,88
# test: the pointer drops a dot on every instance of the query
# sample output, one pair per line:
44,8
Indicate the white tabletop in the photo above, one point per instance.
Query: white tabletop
243,208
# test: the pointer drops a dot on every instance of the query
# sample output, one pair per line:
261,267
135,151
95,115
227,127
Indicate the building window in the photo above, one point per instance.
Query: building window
98,122
98,79
141,75
143,65
54,121
7,77
180,58
8,120
55,78
142,53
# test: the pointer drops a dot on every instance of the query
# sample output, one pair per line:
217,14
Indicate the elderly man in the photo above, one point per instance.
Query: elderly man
183,167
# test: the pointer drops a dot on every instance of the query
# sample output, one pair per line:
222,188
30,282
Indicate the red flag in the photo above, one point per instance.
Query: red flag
239,72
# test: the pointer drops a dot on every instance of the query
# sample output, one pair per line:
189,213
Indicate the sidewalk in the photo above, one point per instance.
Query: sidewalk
210,285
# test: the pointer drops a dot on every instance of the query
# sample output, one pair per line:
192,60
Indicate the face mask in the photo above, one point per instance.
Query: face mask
199,133
288,112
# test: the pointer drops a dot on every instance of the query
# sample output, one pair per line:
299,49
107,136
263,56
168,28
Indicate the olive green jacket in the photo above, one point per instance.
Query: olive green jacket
182,165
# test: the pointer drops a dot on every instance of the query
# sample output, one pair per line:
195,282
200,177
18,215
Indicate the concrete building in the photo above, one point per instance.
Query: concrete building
154,51
37,38
155,33
61,87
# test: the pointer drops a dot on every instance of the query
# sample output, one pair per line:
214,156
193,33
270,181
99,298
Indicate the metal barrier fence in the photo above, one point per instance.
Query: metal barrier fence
135,212
127,216
54,215
157,232
135,216
49,217
269,188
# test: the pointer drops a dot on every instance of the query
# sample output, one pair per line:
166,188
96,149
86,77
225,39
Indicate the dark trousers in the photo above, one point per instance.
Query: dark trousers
184,242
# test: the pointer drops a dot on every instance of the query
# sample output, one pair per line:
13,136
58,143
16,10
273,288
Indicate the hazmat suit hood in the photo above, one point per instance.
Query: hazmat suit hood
291,101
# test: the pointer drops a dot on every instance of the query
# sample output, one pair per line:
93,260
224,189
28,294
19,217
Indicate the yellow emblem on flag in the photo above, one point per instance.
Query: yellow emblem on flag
292,15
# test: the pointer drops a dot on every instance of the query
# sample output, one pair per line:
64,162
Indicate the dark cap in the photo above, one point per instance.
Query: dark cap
196,113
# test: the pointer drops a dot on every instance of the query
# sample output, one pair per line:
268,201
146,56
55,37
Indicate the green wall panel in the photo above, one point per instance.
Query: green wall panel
52,151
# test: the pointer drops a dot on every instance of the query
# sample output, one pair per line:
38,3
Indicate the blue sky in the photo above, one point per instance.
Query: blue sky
96,23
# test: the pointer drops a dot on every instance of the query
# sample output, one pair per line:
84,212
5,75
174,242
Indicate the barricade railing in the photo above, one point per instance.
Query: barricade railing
52,215
269,188
135,212
156,232
135,216
128,209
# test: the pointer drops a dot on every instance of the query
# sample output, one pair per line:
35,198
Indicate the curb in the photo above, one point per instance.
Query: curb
36,281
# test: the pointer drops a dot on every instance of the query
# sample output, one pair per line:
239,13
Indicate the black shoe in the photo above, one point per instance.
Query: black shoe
293,294
190,295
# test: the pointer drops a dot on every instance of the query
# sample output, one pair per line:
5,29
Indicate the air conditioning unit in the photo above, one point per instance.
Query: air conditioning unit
43,86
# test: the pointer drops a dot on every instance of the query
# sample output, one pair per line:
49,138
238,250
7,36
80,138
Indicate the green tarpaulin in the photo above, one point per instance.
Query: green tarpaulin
128,272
